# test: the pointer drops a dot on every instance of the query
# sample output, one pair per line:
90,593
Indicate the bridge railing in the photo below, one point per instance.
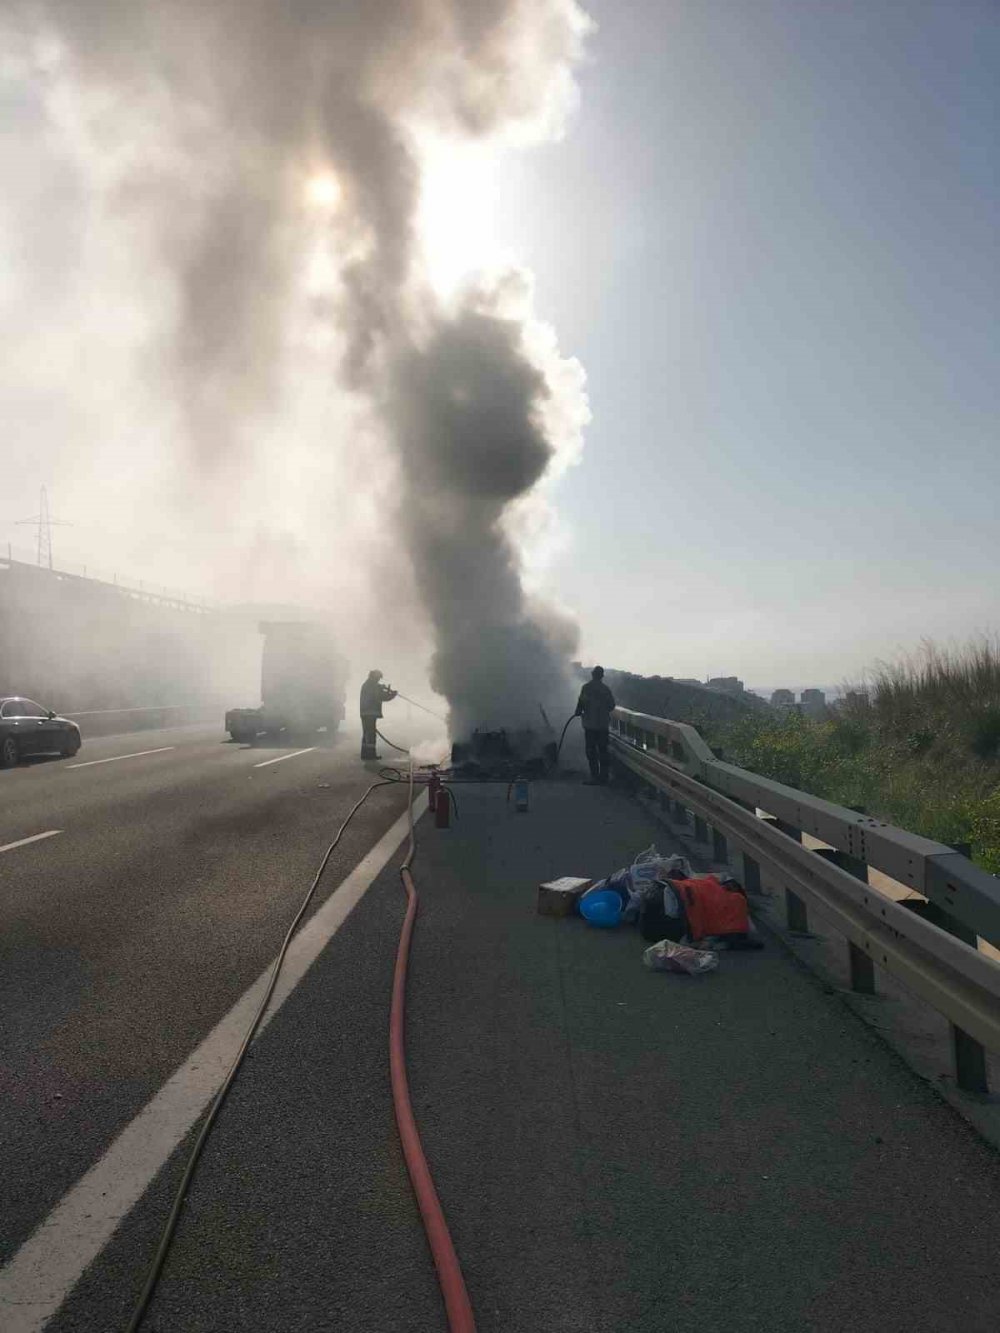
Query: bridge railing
137,589
929,945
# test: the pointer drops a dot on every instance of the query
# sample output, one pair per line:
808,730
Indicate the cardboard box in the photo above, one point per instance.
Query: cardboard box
558,897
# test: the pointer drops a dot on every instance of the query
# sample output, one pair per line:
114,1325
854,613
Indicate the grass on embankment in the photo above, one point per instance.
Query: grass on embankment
918,745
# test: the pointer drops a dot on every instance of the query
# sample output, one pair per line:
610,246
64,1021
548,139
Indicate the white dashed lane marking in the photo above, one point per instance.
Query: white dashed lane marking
282,757
135,754
48,1265
36,837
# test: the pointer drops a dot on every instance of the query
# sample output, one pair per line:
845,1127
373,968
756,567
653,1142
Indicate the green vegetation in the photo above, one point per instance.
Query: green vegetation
918,746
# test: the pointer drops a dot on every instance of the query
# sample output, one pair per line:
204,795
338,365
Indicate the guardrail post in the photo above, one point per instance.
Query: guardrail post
861,966
796,916
969,1055
720,848
751,875
970,1062
700,829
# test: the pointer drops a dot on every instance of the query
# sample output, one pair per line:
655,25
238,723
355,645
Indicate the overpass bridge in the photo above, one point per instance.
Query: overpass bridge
614,1149
80,642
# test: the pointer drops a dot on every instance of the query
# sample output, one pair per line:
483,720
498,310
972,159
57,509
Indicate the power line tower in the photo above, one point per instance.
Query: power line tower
45,523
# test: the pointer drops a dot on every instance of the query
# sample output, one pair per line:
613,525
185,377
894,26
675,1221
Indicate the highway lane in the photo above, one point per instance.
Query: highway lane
615,1149
125,936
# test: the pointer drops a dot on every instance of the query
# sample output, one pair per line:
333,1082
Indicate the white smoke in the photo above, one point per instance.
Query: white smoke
254,168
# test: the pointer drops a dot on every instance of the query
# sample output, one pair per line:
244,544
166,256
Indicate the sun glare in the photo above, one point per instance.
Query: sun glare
458,210
323,191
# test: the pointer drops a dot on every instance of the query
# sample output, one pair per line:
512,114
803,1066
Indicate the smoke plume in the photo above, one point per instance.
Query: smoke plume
267,157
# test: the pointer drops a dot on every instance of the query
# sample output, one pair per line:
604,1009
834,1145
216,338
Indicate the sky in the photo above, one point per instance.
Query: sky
772,236
769,233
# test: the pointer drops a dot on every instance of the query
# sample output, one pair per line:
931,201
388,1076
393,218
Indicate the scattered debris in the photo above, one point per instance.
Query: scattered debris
504,754
520,788
601,907
650,867
670,903
559,896
667,956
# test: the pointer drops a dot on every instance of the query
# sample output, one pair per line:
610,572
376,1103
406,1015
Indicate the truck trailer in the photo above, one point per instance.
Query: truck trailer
303,682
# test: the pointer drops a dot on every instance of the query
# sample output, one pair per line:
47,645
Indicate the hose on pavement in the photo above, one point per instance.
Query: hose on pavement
456,1297
450,1279
170,1226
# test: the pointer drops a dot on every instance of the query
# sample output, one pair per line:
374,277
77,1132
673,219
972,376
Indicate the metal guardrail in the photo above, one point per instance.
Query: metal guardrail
934,955
110,721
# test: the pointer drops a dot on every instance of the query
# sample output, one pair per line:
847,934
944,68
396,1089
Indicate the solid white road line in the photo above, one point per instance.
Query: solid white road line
282,757
136,754
48,1265
23,842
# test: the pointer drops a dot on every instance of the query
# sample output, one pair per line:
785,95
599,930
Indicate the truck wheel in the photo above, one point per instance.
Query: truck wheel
8,752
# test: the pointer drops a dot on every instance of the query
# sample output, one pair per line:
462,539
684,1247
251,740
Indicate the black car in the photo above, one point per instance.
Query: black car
28,728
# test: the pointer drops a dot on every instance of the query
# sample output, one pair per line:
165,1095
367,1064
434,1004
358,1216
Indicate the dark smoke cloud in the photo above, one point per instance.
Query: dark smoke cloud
212,114
466,412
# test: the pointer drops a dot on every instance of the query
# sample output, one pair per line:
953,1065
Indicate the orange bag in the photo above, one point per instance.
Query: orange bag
712,908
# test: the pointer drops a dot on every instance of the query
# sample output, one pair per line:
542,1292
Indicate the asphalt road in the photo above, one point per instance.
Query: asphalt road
615,1149
126,935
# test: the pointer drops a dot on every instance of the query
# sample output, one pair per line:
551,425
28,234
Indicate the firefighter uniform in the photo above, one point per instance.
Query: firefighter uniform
373,695
594,707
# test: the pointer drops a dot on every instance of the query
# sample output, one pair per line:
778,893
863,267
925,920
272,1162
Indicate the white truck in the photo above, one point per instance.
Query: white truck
302,685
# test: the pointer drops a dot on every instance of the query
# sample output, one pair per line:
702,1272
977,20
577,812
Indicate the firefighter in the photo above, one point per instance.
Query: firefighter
594,706
373,695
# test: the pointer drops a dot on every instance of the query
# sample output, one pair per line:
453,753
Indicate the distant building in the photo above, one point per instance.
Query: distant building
783,699
813,703
726,685
686,680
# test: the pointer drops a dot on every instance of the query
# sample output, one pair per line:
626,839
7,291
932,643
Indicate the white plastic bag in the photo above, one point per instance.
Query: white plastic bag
672,902
666,956
652,865
649,870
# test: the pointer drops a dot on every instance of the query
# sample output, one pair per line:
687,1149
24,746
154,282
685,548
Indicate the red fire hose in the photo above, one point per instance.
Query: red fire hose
450,1279
456,1298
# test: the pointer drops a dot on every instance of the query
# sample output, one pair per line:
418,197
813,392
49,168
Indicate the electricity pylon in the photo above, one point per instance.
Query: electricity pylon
45,523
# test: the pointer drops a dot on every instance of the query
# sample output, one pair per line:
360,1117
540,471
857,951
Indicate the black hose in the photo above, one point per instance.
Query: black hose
398,748
167,1236
563,736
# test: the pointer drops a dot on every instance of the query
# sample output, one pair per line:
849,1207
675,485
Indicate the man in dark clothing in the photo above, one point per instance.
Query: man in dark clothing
373,695
594,706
